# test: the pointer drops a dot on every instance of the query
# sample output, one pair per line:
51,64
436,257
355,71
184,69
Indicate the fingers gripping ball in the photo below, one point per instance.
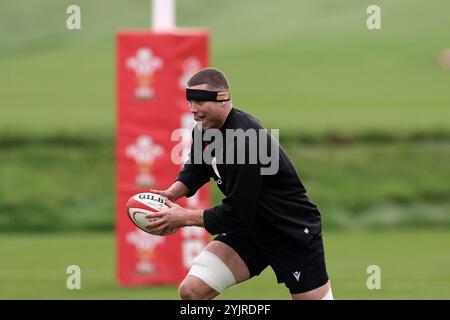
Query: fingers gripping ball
141,204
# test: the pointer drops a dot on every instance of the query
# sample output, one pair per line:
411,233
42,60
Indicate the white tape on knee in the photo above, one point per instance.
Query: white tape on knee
213,271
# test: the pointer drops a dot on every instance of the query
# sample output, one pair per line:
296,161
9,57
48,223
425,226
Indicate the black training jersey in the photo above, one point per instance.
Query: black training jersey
265,206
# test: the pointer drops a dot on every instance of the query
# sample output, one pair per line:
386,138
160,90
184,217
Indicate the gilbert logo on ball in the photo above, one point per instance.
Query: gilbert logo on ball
141,204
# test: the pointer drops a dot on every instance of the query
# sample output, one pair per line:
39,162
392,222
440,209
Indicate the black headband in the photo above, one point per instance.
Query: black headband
205,95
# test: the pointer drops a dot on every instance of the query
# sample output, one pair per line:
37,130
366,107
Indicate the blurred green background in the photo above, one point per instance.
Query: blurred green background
364,115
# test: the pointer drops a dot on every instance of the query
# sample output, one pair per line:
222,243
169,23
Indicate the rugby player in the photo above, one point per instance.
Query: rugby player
265,219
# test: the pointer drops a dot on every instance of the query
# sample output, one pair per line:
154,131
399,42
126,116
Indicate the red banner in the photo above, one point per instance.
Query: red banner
152,72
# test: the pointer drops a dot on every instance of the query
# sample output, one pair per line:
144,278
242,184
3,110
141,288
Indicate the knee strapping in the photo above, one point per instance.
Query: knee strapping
213,271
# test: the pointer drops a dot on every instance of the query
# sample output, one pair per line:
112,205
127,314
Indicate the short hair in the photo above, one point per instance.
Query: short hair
215,79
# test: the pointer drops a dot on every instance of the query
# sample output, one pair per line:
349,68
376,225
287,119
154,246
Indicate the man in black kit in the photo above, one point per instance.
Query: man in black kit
266,217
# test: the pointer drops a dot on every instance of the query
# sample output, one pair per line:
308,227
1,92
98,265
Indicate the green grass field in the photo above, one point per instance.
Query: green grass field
71,186
414,265
306,66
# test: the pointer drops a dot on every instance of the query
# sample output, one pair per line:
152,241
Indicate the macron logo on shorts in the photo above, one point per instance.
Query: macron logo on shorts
297,275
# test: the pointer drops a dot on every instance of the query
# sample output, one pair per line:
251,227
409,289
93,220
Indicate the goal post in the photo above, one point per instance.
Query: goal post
152,69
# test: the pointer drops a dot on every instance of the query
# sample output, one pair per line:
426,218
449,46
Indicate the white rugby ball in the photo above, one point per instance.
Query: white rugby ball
141,204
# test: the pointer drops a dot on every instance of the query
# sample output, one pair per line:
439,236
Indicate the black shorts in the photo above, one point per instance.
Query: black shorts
300,268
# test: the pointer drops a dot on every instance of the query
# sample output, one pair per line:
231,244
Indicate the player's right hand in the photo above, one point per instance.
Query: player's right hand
164,193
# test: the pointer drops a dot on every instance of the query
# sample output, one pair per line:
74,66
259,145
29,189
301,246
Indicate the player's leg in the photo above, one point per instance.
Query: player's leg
229,259
216,268
302,268
321,293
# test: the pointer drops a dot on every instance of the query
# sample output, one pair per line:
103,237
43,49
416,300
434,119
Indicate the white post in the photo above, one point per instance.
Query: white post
163,15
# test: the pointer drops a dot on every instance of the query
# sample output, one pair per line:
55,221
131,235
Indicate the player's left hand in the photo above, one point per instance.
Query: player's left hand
172,218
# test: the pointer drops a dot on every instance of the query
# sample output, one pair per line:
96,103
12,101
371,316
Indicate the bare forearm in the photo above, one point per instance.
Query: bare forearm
194,218
177,190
